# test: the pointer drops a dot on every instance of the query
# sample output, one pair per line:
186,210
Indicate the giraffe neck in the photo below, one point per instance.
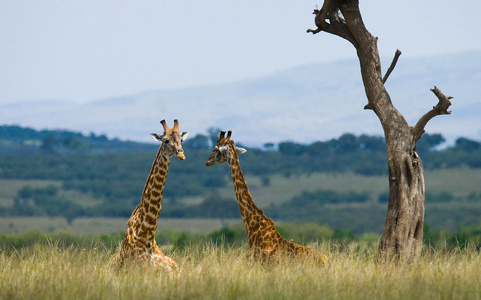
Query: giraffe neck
148,211
250,213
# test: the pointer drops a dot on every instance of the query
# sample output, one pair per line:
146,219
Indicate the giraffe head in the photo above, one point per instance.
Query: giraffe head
171,140
222,151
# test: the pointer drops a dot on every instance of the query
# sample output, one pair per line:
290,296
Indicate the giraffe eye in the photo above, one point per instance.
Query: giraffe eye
167,141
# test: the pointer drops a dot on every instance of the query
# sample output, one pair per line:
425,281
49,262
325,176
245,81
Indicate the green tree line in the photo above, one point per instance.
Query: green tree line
114,173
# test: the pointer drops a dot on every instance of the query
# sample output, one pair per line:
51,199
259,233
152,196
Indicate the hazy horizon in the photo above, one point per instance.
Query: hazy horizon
90,50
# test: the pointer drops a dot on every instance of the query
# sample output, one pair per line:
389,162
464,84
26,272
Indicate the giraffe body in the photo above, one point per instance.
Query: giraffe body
139,241
265,242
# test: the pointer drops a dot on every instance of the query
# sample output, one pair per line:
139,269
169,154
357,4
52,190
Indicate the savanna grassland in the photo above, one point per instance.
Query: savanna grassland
50,271
77,192
458,183
56,180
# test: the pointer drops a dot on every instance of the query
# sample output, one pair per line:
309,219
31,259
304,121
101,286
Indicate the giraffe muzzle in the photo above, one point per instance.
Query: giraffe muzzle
181,156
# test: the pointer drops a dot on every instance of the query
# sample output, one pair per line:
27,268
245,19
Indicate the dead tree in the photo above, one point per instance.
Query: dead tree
403,230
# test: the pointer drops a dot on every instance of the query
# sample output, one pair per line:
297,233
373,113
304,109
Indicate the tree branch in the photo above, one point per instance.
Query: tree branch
393,64
391,68
321,16
440,109
336,25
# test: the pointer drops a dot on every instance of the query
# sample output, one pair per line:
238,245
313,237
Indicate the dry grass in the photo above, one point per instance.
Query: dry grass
207,272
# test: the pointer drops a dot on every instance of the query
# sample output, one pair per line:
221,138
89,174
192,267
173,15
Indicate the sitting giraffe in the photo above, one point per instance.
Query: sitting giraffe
139,241
265,242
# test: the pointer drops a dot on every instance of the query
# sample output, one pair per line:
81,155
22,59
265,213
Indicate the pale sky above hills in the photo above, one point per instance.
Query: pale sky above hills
88,50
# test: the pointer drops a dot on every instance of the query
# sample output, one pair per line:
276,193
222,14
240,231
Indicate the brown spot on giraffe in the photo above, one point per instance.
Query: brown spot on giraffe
139,241
265,242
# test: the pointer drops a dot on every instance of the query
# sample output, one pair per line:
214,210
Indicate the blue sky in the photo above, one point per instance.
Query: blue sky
87,50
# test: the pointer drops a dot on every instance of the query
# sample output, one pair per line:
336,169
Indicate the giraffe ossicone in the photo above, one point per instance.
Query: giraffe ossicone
265,242
139,241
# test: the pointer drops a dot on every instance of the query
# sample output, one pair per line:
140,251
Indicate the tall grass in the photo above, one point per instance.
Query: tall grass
210,272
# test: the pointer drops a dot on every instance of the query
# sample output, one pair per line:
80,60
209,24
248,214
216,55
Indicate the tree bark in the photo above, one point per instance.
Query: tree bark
403,230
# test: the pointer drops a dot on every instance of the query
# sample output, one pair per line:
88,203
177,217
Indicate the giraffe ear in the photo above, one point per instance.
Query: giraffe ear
157,137
184,135
240,150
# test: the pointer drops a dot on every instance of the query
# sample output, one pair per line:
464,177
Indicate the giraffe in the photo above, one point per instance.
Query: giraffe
265,242
139,241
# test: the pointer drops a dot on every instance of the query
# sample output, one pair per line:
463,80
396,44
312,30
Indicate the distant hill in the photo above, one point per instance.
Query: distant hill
17,139
303,104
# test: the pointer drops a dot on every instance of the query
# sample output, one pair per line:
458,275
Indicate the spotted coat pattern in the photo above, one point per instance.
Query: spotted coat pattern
265,242
139,241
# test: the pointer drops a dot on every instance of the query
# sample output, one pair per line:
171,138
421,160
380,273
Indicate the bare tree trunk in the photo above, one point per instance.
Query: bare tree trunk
403,230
